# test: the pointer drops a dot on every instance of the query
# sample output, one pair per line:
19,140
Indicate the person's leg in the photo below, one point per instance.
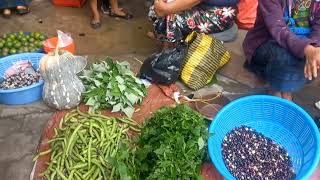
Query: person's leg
115,7
280,68
94,10
211,20
116,11
95,21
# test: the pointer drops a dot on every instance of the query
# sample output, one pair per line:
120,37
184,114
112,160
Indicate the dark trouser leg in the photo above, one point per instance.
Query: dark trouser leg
283,71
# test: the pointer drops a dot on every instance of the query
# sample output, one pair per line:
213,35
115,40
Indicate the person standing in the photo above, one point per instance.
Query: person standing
115,11
20,6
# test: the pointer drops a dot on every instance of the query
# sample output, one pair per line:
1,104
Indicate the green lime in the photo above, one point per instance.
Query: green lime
1,45
8,44
4,36
25,43
37,35
13,51
32,45
31,40
42,37
21,33
24,39
12,36
25,49
33,34
17,45
19,37
5,50
5,53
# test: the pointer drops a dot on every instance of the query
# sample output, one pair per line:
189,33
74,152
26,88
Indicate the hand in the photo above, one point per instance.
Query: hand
312,62
161,8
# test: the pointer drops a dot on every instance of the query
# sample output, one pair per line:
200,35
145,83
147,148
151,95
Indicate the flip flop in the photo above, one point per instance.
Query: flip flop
127,15
95,24
23,11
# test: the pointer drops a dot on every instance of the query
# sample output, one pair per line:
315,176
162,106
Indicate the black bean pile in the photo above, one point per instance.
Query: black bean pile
19,80
250,155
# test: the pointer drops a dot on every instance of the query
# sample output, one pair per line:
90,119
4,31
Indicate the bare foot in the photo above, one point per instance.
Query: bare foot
119,12
287,96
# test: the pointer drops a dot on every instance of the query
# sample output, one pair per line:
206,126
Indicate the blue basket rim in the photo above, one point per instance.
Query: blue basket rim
314,128
41,82
2,91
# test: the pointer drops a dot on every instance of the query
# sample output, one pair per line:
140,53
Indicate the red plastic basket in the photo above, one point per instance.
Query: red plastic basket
69,3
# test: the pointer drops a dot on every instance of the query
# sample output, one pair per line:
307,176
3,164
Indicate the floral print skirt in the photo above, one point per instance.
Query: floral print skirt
202,19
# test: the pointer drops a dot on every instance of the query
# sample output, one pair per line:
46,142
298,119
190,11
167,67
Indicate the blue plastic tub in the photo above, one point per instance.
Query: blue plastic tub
282,121
23,95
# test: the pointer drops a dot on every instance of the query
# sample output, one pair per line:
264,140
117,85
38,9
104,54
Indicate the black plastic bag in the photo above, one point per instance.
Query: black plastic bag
164,67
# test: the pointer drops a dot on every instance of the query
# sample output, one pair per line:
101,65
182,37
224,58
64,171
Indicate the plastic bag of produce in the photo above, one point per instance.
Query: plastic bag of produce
64,40
164,67
20,66
62,87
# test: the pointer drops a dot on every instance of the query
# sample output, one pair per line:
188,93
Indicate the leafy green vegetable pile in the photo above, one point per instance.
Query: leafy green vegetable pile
172,144
111,84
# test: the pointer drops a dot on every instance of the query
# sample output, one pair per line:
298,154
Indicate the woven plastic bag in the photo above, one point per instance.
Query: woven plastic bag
205,56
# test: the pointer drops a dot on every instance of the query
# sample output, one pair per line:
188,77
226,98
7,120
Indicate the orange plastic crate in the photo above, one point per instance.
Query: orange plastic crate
69,3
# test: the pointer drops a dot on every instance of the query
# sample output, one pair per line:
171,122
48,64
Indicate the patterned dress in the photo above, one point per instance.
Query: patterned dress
13,3
201,18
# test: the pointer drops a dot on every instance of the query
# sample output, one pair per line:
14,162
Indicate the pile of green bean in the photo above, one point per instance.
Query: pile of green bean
83,143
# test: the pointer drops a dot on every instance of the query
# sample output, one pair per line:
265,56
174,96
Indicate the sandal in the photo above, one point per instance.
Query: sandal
126,15
95,24
23,11
6,13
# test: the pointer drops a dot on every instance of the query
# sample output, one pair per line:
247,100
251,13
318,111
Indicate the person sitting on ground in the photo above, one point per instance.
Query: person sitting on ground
20,6
174,19
283,47
114,11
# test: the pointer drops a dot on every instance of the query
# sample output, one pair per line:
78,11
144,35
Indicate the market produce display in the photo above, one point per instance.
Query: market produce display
91,146
19,80
172,144
62,87
111,84
15,43
250,155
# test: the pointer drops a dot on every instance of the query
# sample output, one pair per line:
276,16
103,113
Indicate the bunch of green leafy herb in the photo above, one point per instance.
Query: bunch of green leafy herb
172,144
111,84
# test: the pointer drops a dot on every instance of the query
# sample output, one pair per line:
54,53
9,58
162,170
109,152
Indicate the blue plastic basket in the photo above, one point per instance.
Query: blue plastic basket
23,95
282,121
